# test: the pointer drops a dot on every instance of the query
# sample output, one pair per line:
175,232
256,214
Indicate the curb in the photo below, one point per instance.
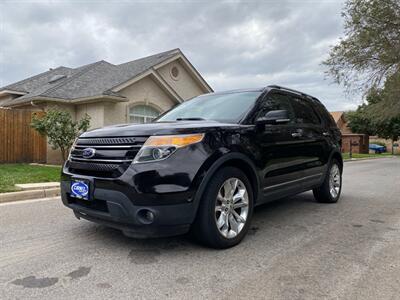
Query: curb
36,186
29,195
367,158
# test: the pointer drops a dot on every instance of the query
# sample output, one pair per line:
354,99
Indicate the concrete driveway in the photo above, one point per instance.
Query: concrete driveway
296,249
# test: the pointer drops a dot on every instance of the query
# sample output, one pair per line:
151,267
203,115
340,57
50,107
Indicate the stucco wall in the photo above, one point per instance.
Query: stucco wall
184,85
94,110
145,91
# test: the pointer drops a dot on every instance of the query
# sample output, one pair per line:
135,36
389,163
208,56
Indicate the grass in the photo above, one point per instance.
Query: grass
370,155
11,174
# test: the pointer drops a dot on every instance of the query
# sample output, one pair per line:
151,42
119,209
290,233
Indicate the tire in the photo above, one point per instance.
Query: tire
214,225
324,193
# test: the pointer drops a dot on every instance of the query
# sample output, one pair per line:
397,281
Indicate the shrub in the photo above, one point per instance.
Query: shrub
59,128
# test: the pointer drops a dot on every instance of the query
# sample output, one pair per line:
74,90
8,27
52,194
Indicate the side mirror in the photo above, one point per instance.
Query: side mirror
274,117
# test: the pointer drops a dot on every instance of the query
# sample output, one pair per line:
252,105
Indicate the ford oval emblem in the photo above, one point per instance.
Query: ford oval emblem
88,152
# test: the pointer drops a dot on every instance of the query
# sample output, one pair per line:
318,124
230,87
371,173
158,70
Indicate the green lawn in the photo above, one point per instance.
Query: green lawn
11,174
358,155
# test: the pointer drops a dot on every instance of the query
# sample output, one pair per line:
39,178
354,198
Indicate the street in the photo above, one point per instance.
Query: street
296,249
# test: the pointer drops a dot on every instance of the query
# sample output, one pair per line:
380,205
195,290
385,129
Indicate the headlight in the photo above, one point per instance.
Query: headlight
161,147
72,148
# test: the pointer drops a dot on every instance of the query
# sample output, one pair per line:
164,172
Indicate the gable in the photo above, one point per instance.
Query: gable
148,91
181,80
337,115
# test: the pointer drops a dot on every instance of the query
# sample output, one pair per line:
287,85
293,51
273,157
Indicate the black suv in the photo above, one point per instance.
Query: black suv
204,165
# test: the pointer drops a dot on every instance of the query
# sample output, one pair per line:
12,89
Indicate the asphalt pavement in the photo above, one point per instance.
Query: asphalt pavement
296,249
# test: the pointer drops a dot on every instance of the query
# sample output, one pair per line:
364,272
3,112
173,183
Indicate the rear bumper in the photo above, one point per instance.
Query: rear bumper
117,209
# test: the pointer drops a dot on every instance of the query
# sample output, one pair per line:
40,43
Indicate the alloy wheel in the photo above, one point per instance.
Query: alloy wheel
334,181
231,207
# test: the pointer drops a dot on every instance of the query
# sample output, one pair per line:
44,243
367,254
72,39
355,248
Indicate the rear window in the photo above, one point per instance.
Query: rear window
304,112
326,116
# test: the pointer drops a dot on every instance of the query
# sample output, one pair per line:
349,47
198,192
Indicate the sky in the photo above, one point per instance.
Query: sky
233,44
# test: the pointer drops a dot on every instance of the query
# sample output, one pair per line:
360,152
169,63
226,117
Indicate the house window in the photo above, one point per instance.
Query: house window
142,114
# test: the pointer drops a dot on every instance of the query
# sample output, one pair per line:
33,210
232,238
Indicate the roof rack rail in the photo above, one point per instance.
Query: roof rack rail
274,86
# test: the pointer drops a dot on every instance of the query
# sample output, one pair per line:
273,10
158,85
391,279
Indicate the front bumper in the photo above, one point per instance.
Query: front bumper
167,189
116,209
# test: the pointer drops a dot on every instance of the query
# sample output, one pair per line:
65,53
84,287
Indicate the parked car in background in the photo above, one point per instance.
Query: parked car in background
204,165
377,148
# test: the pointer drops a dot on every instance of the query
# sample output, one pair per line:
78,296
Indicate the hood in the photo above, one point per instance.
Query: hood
161,128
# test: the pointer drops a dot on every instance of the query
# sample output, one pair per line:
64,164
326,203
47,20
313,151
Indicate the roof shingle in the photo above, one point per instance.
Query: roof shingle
95,79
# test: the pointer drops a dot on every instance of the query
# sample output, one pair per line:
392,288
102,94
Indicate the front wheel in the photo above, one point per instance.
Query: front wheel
225,210
329,191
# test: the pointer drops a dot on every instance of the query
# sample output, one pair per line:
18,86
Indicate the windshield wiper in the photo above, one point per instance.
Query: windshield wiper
190,119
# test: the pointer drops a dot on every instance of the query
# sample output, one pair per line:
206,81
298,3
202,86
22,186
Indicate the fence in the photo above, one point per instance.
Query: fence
18,141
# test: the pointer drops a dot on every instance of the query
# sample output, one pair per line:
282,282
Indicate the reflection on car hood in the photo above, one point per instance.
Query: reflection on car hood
158,128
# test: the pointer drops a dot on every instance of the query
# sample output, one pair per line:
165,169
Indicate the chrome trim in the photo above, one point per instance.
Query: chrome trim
104,147
292,181
101,160
282,120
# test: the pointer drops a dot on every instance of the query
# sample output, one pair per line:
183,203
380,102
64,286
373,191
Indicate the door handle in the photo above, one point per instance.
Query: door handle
326,134
297,134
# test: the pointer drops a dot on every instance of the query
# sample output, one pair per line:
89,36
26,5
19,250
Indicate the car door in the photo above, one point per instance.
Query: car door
312,137
281,147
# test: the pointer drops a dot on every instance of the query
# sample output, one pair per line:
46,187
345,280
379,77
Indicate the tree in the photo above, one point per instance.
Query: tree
363,121
360,122
61,131
385,102
369,52
389,129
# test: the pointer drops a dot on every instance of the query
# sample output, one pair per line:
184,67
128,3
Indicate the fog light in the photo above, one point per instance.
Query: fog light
145,216
149,216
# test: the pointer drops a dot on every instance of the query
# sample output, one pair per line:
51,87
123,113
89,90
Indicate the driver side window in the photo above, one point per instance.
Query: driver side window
275,101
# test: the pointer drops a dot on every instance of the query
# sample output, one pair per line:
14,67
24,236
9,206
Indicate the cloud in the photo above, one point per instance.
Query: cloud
233,44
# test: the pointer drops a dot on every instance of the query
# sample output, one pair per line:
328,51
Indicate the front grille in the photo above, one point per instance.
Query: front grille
111,157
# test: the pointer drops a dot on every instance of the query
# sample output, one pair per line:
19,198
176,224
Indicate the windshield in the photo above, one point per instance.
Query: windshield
229,108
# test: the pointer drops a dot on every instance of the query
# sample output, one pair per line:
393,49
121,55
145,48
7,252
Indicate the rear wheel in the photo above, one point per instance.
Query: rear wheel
225,210
329,191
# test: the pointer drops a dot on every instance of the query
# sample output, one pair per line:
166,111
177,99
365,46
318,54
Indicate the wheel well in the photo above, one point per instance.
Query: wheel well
339,158
247,170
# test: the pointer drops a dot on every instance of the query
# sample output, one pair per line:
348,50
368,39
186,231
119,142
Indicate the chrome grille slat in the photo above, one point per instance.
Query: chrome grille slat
110,147
111,141
101,160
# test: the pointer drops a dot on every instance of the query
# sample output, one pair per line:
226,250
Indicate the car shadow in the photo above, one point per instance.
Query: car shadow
266,216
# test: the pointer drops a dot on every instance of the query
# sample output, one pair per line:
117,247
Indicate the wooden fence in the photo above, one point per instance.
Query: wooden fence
18,141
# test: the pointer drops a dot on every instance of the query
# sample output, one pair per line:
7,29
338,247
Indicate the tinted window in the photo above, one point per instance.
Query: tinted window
328,119
275,101
228,107
303,111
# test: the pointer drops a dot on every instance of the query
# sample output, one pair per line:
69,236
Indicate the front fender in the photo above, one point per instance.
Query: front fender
221,158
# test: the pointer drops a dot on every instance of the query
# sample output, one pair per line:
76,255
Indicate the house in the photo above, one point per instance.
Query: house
132,92
358,142
339,117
